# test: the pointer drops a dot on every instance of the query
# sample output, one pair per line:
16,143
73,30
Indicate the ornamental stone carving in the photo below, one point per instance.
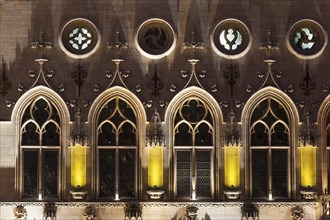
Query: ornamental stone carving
133,212
191,213
250,212
90,213
50,211
20,213
297,213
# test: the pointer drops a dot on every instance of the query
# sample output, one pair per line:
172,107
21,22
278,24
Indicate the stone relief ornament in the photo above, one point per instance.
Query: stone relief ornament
297,213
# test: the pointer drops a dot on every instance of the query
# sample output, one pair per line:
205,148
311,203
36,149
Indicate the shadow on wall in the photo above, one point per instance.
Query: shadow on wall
7,184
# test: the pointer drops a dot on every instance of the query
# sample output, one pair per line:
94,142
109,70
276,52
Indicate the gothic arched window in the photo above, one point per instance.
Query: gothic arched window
269,150
117,150
40,147
193,150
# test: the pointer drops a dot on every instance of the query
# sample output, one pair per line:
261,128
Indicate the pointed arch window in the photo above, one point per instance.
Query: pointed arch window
40,150
117,150
328,146
193,150
269,151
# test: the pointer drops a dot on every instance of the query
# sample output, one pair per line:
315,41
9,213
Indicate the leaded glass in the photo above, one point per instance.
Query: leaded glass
107,177
127,173
305,38
183,175
50,173
230,38
193,130
203,171
280,173
30,173
117,158
259,173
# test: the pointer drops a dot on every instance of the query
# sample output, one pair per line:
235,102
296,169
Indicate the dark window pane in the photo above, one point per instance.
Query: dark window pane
259,173
204,136
259,111
280,173
280,137
184,136
127,173
50,173
328,138
183,176
259,137
203,170
107,111
51,137
127,111
107,173
30,137
279,111
30,173
107,135
127,136
40,112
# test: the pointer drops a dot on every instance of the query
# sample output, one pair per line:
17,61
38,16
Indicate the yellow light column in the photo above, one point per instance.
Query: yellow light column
155,167
308,165
78,165
232,165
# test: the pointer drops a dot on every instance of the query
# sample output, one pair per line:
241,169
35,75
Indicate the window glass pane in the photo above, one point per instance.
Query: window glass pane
280,135
127,135
259,137
183,175
127,173
203,170
51,136
107,173
259,173
183,136
107,135
50,173
280,173
30,173
30,136
204,136
41,112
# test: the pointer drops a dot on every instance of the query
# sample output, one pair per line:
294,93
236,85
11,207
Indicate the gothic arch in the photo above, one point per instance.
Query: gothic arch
64,115
323,114
172,109
293,115
132,100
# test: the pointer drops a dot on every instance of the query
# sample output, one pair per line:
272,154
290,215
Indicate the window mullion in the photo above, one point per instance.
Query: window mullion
270,174
117,171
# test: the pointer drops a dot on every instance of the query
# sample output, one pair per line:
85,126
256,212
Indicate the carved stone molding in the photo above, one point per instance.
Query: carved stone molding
232,194
297,213
155,194
90,213
191,213
20,213
250,212
308,194
50,211
133,211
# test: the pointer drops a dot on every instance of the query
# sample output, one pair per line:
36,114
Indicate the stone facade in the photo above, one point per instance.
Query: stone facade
125,64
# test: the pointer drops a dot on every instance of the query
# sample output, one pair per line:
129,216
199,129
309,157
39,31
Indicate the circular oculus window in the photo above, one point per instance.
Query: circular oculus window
231,39
79,38
307,39
155,38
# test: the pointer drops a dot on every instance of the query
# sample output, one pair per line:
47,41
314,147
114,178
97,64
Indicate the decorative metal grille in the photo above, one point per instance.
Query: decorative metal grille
117,143
270,146
183,175
127,173
193,131
40,131
30,173
50,173
259,173
280,173
203,170
107,177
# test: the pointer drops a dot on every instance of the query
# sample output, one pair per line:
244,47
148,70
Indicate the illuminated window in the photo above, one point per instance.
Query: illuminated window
269,150
231,39
40,150
79,38
306,39
194,150
117,150
155,38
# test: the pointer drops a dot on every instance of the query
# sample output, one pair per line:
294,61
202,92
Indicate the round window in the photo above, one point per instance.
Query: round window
231,39
306,39
155,38
79,38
